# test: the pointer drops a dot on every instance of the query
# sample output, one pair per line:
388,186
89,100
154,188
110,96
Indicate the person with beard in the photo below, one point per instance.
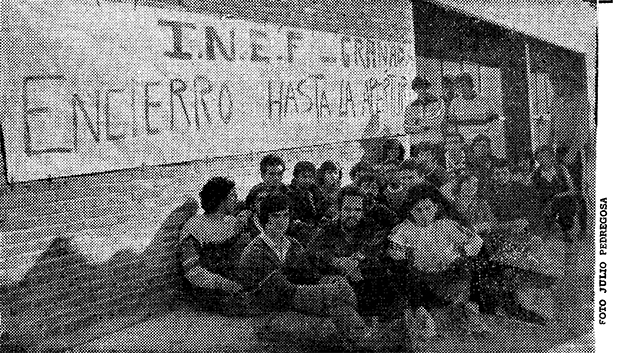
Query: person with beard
354,247
424,117
272,168
211,243
307,201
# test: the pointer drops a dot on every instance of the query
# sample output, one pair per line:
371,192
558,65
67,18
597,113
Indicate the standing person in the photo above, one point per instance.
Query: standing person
352,246
424,117
308,204
470,205
570,132
555,191
426,154
438,253
454,154
279,274
211,243
272,168
468,107
328,179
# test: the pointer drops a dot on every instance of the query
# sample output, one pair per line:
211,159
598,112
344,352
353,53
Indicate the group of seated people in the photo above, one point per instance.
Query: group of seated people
406,236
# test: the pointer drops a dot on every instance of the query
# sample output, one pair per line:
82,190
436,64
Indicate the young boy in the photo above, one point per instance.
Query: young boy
279,274
272,169
308,204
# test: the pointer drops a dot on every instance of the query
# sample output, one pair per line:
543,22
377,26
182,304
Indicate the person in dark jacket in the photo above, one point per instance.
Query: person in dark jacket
211,243
279,274
354,246
272,168
307,202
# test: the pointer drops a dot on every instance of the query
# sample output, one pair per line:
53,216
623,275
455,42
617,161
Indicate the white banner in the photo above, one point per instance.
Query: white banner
91,88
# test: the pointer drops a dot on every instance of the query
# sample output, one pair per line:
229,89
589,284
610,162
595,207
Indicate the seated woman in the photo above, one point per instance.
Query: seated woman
437,251
279,275
210,245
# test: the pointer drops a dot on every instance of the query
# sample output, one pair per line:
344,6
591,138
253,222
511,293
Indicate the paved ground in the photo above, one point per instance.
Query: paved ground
187,330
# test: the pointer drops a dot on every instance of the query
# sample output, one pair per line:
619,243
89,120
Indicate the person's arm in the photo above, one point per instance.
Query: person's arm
568,180
200,276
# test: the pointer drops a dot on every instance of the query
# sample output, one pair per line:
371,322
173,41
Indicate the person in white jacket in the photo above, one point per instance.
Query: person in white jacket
437,251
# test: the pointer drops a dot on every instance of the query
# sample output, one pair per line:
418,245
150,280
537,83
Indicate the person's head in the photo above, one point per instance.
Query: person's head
328,174
369,186
420,85
424,204
425,154
545,156
501,173
272,169
448,85
392,149
351,206
411,173
274,215
466,187
465,84
525,163
218,194
481,146
304,173
360,168
454,142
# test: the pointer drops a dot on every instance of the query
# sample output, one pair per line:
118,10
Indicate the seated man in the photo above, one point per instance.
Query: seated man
353,246
517,213
210,244
278,273
307,201
272,169
426,154
376,206
437,253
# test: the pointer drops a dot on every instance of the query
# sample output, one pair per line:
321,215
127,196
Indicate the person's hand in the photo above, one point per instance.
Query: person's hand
231,286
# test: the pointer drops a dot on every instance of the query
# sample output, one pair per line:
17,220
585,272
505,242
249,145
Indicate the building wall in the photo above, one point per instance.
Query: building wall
84,249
